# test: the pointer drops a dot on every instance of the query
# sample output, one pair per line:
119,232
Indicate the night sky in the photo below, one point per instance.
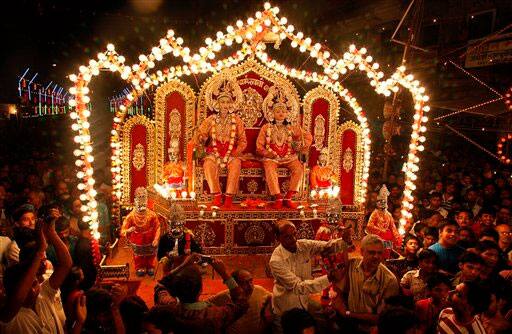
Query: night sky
55,37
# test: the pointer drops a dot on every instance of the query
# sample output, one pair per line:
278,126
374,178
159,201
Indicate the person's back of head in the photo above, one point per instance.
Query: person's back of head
489,234
296,320
187,284
396,320
61,224
160,317
478,296
83,226
132,309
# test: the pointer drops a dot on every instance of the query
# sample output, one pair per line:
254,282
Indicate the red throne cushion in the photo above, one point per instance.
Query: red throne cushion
251,163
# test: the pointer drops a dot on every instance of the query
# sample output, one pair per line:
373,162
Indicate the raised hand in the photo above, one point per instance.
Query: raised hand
220,268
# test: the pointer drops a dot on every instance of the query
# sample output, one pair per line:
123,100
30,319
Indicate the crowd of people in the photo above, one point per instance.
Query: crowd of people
451,274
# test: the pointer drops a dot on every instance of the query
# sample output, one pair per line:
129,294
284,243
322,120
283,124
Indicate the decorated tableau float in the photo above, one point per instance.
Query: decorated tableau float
245,148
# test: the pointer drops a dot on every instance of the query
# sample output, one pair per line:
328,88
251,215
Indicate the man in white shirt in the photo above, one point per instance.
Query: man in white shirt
290,264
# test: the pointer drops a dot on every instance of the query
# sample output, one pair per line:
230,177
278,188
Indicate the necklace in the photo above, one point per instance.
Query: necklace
217,122
278,135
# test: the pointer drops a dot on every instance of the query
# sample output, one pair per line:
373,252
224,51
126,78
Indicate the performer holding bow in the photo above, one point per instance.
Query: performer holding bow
142,229
381,222
223,136
279,143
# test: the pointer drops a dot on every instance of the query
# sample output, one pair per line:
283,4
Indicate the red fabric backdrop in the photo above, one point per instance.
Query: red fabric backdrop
175,100
319,107
138,135
347,179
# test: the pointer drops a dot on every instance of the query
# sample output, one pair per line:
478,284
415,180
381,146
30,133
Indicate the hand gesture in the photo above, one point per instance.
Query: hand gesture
130,230
118,294
54,213
220,268
155,243
192,258
81,309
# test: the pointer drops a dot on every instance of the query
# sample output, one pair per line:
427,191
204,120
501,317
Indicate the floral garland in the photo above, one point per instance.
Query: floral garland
269,135
232,134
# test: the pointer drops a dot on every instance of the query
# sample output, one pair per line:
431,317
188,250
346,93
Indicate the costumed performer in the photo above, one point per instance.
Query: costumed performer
223,136
279,142
178,242
381,222
142,229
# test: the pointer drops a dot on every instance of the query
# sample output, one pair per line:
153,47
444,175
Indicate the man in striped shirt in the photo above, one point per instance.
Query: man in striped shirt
467,301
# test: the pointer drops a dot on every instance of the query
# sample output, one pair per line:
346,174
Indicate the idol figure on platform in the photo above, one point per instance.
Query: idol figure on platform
280,142
322,175
381,222
178,242
142,230
223,136
174,171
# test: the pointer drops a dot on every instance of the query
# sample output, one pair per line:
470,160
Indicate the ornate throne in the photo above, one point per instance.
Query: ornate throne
255,80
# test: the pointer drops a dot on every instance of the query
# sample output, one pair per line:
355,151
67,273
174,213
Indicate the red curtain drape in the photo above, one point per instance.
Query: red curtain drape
175,100
347,178
138,135
319,107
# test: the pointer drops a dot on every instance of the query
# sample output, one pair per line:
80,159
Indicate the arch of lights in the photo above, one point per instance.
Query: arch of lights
249,35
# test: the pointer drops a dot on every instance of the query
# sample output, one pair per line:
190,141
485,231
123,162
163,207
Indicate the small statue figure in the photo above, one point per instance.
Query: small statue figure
178,242
322,175
223,136
142,230
381,222
280,142
174,171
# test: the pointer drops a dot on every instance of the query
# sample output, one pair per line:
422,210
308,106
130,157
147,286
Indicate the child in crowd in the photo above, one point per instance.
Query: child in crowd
428,309
471,266
414,282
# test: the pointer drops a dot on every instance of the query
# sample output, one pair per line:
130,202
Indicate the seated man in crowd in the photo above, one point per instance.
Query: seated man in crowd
446,248
368,283
467,302
290,264
255,320
184,284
